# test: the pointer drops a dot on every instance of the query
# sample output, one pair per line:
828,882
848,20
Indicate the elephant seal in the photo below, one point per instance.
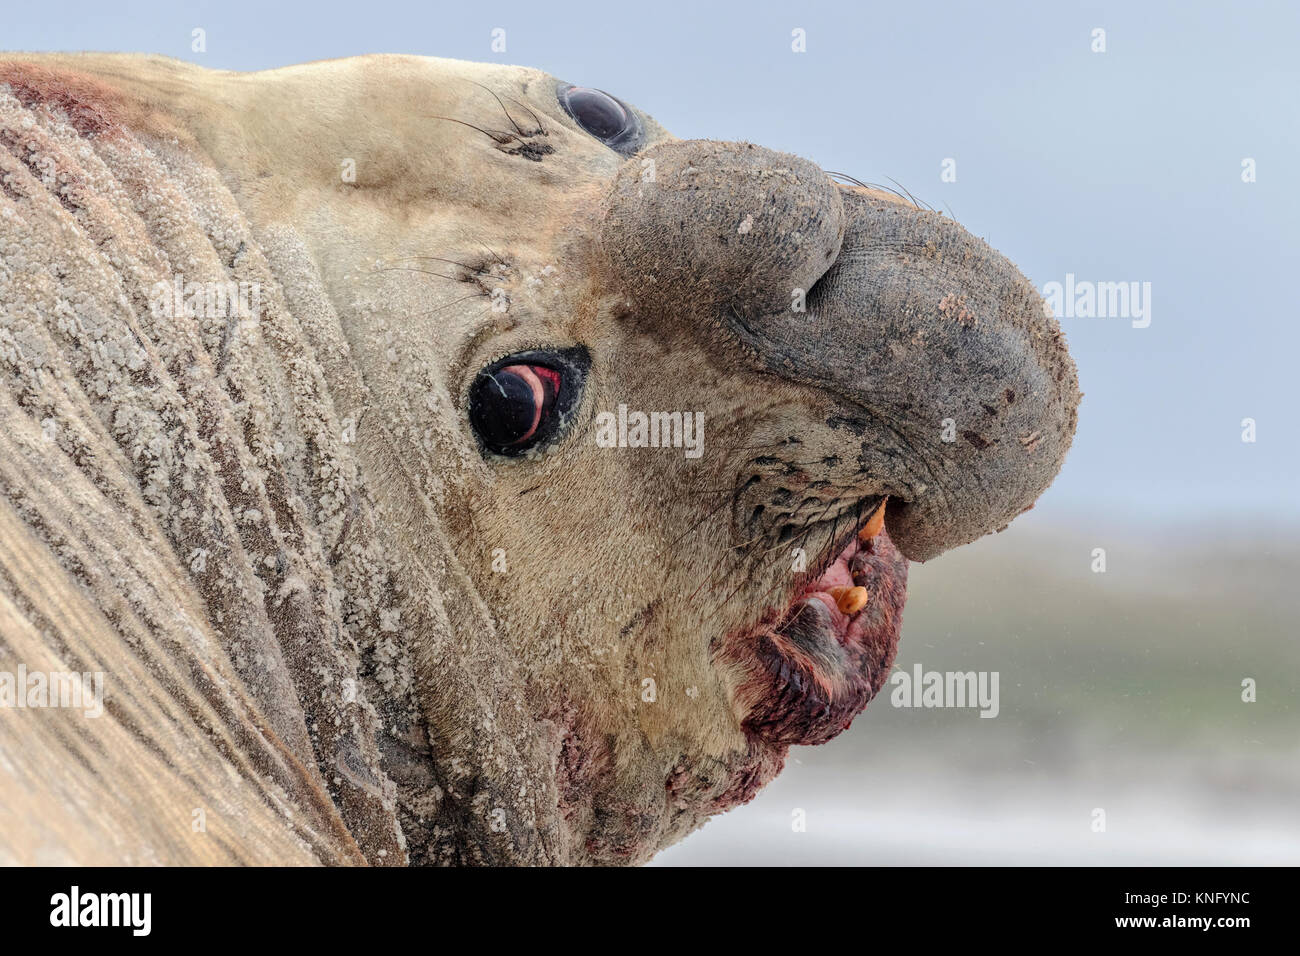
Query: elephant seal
416,461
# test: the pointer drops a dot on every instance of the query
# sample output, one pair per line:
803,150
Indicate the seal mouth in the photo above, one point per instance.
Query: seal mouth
811,665
843,589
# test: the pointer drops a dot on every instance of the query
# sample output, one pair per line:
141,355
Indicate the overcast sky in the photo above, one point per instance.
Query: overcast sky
1116,166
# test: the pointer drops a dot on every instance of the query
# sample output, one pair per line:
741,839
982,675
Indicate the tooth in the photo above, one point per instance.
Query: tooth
849,600
874,523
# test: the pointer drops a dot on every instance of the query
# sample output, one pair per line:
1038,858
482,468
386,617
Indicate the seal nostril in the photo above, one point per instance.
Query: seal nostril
819,288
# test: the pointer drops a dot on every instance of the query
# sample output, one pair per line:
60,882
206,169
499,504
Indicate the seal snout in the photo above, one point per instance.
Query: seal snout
950,386
958,392
717,227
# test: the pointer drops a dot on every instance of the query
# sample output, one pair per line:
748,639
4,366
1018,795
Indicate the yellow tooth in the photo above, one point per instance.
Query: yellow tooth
849,600
874,523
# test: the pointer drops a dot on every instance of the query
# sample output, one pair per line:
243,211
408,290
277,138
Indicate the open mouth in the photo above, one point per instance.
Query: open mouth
844,587
810,667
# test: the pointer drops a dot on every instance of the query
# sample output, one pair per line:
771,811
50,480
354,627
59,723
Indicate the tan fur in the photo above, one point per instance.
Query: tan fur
509,707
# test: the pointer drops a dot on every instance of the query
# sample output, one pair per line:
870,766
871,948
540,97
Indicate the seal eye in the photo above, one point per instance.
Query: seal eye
598,113
524,400
602,116
507,406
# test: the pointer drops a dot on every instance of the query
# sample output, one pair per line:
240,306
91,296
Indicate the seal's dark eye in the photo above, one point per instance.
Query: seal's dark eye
602,116
598,113
524,401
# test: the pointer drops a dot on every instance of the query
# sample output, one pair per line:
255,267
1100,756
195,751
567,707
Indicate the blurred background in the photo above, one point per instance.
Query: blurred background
1118,690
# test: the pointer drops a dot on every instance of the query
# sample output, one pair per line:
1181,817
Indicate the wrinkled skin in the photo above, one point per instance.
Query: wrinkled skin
617,652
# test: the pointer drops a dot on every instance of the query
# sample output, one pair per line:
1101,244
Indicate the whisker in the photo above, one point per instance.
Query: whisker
708,578
774,444
448,305
724,602
536,119
423,272
437,259
897,189
855,181
748,557
727,552
693,527
914,200
517,127
500,137
492,252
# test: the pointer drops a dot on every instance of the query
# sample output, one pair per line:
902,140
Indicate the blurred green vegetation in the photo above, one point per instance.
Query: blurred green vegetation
1149,654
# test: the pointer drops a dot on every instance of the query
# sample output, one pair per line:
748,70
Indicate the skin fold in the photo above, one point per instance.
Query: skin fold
330,623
